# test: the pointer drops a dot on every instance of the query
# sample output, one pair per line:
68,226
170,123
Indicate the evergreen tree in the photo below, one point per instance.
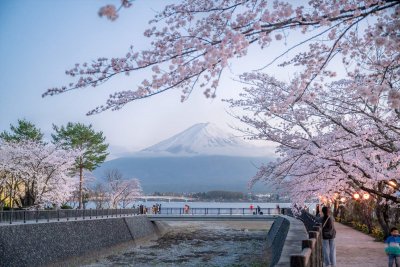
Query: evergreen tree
90,143
25,130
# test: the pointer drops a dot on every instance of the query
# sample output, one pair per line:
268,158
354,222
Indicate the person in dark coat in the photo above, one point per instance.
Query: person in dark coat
328,237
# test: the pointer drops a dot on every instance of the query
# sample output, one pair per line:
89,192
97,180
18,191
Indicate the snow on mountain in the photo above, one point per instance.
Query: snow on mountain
204,139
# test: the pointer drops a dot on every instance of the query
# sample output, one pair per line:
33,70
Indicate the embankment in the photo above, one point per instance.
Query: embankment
37,244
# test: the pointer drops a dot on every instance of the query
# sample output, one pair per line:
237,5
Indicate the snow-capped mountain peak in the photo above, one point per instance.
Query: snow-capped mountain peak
204,139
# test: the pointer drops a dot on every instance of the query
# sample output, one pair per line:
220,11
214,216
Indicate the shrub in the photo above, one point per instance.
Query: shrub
377,233
364,229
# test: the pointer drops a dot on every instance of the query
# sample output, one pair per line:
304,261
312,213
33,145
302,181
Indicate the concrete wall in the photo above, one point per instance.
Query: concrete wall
293,241
276,239
42,243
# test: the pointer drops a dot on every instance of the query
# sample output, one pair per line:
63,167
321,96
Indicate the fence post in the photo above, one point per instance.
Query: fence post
308,244
48,216
317,234
297,261
230,211
11,214
37,215
24,216
58,215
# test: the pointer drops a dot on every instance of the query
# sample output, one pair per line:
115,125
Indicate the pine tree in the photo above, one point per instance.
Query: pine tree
24,131
85,139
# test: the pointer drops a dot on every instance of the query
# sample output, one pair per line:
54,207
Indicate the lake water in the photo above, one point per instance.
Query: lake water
213,204
176,204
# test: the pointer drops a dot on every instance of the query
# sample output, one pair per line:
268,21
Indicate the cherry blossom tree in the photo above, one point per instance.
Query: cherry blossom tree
42,170
334,140
121,191
98,195
194,41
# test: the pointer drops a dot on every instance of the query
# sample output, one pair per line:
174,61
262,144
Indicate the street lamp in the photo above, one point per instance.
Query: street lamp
393,183
356,196
366,196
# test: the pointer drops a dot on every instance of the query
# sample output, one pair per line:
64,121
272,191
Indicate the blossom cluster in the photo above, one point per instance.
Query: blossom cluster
194,41
36,170
333,140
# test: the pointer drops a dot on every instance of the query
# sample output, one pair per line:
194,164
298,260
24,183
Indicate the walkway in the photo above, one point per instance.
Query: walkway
355,249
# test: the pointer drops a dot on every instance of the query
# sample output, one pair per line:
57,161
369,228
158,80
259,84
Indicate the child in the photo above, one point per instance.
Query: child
393,247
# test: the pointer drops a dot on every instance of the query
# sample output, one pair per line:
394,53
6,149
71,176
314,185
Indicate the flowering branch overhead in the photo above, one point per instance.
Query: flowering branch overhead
194,41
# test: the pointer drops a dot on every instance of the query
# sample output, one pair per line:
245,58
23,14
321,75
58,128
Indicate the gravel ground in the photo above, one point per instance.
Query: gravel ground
197,244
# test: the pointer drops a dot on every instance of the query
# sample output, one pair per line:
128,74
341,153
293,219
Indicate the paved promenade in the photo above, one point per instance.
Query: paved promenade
355,249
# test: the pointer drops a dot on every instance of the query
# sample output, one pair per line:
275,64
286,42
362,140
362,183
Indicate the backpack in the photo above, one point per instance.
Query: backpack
328,233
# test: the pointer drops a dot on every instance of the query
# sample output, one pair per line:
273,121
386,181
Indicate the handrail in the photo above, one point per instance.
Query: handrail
35,216
311,253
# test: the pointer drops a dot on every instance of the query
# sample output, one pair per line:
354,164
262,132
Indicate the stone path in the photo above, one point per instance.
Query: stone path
355,249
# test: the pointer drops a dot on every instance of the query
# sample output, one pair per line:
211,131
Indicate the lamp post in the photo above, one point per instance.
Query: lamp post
393,184
363,200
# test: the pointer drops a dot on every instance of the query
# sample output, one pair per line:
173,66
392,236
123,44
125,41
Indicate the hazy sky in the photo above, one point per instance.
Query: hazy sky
40,39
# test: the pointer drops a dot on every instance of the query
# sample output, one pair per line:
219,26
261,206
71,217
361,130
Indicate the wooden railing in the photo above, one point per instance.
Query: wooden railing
311,253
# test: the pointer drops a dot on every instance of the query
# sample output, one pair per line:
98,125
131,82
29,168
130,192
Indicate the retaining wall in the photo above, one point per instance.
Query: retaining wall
38,244
276,238
293,241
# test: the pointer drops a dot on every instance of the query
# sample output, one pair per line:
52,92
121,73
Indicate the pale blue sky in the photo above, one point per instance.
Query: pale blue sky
40,39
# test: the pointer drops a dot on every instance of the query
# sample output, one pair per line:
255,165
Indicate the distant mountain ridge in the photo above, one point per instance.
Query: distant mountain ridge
200,158
188,174
203,139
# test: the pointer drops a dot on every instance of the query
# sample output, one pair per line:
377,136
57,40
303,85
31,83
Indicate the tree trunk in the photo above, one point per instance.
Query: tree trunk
80,187
336,208
382,214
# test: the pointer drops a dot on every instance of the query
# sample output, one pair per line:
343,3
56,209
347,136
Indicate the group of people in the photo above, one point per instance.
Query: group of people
155,209
392,242
257,210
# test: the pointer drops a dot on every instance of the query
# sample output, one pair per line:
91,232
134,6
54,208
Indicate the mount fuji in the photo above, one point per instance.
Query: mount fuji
200,158
204,139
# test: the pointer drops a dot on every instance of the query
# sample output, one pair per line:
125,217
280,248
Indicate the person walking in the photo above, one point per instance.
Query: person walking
328,237
393,247
251,209
278,209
